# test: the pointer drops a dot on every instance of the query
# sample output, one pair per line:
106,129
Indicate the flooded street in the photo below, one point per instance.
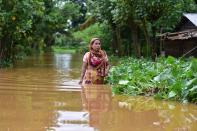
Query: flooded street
41,93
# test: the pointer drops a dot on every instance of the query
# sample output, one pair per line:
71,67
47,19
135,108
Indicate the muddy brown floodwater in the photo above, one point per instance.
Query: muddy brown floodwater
41,93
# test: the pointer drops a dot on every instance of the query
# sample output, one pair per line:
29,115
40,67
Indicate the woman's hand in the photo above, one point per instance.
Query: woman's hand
84,67
107,70
80,82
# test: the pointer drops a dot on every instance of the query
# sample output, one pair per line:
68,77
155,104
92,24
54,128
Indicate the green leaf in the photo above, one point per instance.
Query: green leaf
191,82
171,94
194,65
163,75
170,60
123,82
193,88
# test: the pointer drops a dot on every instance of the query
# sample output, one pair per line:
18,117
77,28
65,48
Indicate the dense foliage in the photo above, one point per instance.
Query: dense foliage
138,22
97,30
29,25
169,78
129,27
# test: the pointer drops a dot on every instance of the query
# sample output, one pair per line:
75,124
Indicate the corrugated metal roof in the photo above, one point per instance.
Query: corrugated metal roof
192,17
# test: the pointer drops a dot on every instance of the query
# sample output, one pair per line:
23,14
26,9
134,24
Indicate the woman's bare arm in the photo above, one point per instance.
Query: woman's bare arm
83,70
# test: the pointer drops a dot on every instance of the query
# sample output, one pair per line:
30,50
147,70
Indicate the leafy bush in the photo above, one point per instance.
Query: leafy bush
169,78
97,30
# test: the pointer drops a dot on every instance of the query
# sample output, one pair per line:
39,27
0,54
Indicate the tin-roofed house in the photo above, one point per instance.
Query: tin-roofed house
182,42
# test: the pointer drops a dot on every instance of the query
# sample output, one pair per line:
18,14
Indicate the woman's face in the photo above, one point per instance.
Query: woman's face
96,45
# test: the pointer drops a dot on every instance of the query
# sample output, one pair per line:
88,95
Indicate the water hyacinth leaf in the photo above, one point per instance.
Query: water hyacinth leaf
194,65
171,94
173,80
157,78
195,74
191,82
188,68
163,75
123,82
189,74
170,60
113,69
132,87
193,89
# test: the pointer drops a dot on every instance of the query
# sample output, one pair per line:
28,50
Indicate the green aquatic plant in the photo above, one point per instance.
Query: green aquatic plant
166,78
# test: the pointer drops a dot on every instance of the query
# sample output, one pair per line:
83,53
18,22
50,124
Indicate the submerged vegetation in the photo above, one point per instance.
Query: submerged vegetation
170,78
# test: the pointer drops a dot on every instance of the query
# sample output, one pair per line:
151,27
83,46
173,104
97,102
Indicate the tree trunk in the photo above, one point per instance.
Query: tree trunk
114,39
49,41
135,34
2,50
116,42
154,46
147,38
6,49
135,37
119,42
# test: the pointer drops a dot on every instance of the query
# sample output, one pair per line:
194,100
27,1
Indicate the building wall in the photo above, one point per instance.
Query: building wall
177,48
187,25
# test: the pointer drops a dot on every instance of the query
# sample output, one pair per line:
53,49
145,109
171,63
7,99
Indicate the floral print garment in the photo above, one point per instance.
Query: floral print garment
95,71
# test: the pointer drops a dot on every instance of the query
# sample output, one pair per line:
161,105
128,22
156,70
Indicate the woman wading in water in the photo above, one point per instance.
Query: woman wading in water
95,64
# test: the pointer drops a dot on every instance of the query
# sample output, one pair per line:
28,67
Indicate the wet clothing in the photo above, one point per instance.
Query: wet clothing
96,67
